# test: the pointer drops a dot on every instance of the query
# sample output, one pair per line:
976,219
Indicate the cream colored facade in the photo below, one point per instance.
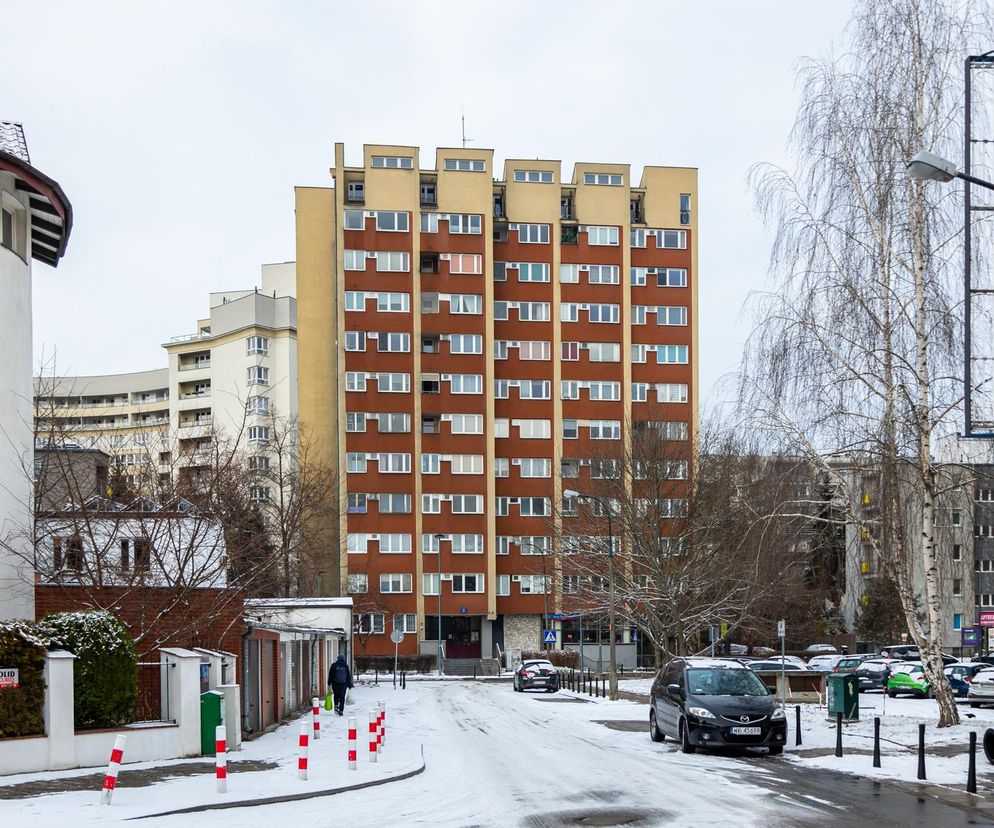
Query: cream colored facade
245,350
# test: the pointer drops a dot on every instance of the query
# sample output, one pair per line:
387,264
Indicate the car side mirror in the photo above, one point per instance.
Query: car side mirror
675,690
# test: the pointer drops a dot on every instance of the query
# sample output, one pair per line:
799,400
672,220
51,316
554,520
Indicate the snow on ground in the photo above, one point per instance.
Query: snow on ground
493,757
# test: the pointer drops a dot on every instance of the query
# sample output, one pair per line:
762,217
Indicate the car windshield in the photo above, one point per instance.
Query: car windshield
724,682
538,665
849,662
773,665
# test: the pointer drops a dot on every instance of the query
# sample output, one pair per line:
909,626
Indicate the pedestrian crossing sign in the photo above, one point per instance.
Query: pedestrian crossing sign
549,637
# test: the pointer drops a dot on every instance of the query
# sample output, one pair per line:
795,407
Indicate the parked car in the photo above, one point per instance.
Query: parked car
957,683
773,665
763,652
966,670
536,674
824,663
821,648
873,674
848,664
910,652
982,688
709,703
908,677
797,661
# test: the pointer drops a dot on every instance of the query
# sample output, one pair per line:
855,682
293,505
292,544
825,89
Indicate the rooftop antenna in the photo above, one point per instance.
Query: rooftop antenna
465,140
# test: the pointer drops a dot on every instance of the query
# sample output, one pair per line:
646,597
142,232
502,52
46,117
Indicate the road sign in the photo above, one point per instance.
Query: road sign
549,637
9,678
987,619
970,636
397,636
781,628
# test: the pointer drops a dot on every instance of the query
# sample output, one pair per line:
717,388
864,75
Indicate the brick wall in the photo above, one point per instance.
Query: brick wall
208,618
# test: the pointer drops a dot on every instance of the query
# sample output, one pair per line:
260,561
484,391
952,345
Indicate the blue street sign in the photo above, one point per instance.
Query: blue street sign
549,637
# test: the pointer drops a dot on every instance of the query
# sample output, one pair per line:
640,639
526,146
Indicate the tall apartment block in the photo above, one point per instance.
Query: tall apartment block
466,338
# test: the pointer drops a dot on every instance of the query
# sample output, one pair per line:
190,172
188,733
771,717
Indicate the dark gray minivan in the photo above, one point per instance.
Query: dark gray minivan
703,702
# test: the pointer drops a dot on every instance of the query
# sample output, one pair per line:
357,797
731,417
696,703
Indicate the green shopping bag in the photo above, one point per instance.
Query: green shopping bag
328,705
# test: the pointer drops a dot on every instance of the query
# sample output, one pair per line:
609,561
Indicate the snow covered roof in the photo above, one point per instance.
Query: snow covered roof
12,140
294,603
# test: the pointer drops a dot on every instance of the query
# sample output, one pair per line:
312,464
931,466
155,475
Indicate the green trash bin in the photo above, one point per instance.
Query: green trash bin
843,695
211,715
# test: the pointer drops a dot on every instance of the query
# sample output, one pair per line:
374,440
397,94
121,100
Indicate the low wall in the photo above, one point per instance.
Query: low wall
145,743
24,754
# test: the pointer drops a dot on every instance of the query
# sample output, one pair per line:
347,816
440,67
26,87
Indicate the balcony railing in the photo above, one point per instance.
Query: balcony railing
205,421
192,395
195,366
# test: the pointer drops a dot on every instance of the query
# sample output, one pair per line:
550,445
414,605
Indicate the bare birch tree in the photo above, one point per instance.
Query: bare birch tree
854,361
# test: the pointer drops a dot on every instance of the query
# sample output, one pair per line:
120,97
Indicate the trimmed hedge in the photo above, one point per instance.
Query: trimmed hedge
412,664
23,649
105,672
559,658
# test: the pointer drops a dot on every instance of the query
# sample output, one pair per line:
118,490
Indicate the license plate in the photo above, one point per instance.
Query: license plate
746,731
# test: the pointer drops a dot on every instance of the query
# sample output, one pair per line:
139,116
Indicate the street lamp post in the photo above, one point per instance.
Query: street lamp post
438,634
612,653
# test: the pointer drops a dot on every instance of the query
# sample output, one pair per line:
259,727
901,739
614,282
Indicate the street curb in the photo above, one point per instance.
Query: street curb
275,800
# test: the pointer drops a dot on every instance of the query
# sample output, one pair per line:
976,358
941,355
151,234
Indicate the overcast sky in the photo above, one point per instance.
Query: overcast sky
179,129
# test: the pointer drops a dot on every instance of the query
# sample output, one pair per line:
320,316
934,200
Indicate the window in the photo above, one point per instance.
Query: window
400,582
258,434
355,340
394,504
393,342
609,179
535,466
671,354
355,381
396,222
671,277
465,224
638,276
671,239
466,383
684,208
569,468
957,552
429,582
430,464
358,583
604,351
605,274
671,316
532,311
393,262
259,464
605,429
257,405
533,272
396,463
467,583
393,423
603,313
355,462
501,467
465,303
535,544
534,350
503,585
535,506
355,259
464,165
956,518
465,344
500,271
355,220
357,503
601,236
957,587
533,176
467,544
570,351
258,375
957,621
7,229
356,191
257,345
429,222
355,543
570,430
535,584
393,162
532,233
465,263
369,623
467,464
395,544
502,427
533,429
467,424
355,300
500,311
393,383
406,622
393,302
259,494
467,504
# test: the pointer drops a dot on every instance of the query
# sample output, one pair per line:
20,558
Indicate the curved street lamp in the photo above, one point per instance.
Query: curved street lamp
927,166
613,675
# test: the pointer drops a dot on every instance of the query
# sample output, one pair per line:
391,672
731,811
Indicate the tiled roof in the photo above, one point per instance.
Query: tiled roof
12,140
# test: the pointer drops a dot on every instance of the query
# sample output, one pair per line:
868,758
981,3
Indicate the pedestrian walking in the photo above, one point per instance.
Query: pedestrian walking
340,679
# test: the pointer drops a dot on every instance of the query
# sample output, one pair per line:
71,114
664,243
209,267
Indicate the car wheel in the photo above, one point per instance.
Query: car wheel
974,704
892,693
776,750
685,745
929,694
654,732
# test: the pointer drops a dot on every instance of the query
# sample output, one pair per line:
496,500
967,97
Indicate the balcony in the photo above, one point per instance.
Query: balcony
195,366
198,423
193,395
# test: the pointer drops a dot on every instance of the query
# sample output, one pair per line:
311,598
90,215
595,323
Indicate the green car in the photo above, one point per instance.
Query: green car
908,678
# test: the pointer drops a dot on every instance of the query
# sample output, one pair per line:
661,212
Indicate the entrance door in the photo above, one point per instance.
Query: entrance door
461,634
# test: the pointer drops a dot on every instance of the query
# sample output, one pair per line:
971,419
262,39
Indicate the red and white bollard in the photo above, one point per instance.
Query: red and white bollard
302,753
383,726
113,768
353,746
316,709
373,731
221,758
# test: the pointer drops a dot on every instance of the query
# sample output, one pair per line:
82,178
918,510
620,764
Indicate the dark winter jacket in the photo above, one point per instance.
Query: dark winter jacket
340,672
